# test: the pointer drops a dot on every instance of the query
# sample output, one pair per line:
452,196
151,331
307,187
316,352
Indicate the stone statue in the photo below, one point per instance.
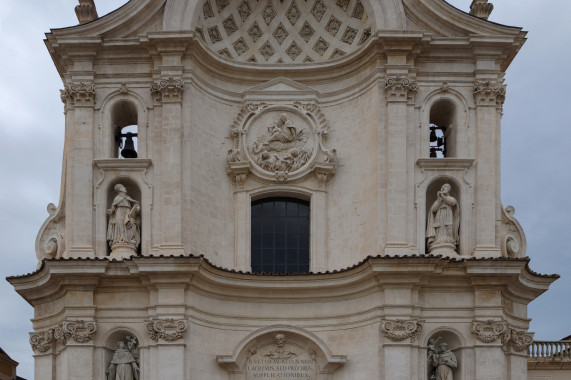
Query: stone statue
443,361
281,352
124,230
443,223
123,365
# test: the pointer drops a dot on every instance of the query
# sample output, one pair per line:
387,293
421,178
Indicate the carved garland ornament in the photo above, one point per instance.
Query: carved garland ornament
166,329
399,330
280,143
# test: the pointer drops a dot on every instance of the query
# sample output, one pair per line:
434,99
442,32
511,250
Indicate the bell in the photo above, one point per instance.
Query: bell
432,135
432,152
129,148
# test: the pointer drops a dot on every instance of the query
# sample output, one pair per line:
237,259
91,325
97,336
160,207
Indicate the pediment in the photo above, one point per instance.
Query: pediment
278,89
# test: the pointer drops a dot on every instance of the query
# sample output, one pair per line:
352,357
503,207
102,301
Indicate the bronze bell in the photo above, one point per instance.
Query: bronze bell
129,147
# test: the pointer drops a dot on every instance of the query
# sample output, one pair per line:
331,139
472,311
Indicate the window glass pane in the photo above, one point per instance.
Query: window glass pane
280,236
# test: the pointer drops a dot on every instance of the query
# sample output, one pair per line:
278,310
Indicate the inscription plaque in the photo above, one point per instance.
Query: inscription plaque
283,362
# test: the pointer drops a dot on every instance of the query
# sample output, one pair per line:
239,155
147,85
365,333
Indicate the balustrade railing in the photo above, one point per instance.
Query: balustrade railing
554,350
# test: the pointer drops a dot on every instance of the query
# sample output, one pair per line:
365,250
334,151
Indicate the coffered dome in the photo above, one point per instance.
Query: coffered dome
283,31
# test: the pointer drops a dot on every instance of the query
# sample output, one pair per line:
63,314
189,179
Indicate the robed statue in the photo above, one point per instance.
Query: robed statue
442,360
124,229
443,223
123,365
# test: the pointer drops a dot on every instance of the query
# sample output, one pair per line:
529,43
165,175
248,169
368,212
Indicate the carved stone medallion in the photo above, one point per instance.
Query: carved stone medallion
280,142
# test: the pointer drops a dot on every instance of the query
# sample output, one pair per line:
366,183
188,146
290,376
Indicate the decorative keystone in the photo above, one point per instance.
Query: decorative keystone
481,8
86,11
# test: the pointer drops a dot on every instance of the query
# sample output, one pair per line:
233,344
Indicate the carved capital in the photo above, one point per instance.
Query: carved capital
86,11
42,341
489,93
489,331
481,8
166,329
79,331
399,330
518,340
400,88
80,94
167,90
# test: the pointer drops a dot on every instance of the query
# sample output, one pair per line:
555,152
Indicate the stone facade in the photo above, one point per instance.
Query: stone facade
333,102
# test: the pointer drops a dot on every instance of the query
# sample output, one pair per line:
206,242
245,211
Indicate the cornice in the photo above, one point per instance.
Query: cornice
512,276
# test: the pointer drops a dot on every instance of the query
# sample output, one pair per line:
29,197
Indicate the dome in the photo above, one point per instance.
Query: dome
283,31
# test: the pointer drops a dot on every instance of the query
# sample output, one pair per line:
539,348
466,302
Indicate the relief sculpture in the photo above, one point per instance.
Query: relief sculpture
283,149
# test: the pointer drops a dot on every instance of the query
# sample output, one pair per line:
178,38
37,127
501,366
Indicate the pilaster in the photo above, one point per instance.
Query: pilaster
79,101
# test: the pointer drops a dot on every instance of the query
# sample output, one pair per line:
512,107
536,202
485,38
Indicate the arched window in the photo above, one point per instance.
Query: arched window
442,131
280,236
125,120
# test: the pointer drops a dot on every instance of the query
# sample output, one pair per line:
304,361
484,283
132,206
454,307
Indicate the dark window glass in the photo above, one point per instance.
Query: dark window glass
280,236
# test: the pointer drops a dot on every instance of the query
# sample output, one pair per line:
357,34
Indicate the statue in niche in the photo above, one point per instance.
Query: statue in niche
443,223
443,360
283,149
124,229
123,364
281,352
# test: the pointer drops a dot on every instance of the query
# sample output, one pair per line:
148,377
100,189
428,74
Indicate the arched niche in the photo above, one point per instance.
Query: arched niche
107,343
447,109
126,111
455,342
281,351
133,191
431,195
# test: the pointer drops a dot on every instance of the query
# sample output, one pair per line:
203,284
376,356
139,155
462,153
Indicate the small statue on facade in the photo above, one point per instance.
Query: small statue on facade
124,229
281,352
443,360
123,365
443,223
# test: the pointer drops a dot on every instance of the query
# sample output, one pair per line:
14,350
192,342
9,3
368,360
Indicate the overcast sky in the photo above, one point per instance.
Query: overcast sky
536,149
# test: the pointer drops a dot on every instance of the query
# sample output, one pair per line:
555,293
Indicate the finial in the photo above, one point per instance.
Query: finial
481,8
86,11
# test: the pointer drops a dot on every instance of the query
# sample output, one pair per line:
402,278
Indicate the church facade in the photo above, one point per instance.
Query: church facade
282,189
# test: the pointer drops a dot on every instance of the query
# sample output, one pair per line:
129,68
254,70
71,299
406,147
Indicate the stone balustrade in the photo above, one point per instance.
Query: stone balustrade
550,350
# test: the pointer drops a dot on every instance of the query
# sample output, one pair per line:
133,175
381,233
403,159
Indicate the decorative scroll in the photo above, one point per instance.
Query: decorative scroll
489,331
519,340
78,94
400,88
166,329
167,90
42,341
79,331
399,330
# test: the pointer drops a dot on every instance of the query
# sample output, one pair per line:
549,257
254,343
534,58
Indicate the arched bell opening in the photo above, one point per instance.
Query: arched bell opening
443,129
125,134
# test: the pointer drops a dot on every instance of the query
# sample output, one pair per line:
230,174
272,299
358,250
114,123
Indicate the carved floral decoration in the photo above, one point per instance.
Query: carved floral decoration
166,329
399,330
280,143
